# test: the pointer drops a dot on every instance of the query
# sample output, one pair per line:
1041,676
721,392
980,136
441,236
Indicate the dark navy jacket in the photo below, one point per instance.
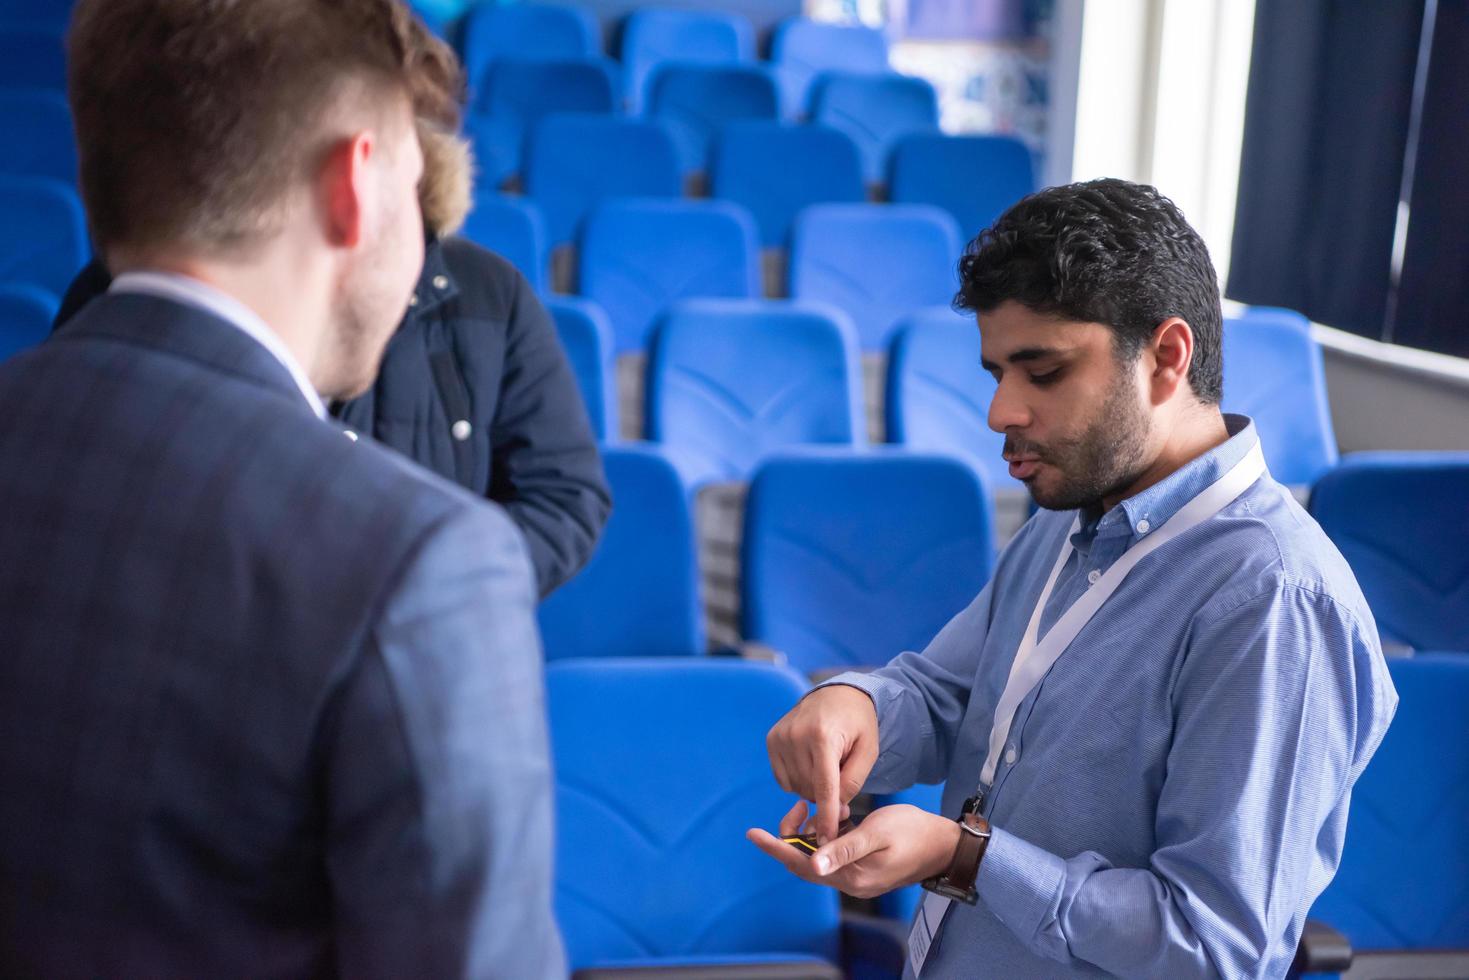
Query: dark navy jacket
475,386
271,700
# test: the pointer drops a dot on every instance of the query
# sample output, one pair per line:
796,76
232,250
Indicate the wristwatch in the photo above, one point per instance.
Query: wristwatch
974,836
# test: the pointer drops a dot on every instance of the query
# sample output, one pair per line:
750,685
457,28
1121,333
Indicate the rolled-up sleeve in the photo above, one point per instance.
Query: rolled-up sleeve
437,771
1278,703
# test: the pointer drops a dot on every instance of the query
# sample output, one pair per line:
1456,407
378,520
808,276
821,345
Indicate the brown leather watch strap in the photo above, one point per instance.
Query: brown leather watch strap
974,838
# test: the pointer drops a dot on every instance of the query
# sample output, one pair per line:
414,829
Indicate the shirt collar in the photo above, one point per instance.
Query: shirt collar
1150,509
186,289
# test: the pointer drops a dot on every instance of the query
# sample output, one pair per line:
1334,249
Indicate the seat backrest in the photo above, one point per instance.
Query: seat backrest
38,139
802,49
514,94
513,228
697,100
637,256
1273,373
44,240
660,769
1401,520
528,89
876,111
32,57
1403,882
586,336
877,262
26,314
775,170
729,382
638,596
653,36
938,395
974,178
852,558
575,160
525,31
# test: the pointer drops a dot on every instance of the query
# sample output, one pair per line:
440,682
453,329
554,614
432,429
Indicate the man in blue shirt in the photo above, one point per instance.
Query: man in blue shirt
1154,713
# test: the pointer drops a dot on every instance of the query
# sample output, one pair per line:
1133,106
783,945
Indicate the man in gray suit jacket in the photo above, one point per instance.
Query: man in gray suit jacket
270,697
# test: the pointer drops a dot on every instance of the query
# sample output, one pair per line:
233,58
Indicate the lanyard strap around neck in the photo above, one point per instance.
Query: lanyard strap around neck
1034,659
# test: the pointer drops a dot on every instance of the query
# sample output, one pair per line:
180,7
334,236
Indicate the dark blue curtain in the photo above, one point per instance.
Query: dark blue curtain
1326,127
1432,310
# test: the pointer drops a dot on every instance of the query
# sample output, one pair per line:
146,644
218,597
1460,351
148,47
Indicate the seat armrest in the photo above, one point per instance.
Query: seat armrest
771,970
827,673
1322,950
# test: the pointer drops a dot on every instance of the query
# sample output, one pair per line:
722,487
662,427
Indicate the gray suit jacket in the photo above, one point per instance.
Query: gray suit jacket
270,699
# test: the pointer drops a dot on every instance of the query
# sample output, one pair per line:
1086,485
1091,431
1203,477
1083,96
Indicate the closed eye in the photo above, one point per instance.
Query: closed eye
1048,378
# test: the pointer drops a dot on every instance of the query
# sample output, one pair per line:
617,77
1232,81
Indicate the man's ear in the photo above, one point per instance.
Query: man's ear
342,185
1172,350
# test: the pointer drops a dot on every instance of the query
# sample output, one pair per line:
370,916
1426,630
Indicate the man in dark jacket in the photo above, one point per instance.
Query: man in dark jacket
474,384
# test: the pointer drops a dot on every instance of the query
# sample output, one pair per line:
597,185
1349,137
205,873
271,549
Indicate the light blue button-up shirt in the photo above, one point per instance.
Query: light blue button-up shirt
1173,794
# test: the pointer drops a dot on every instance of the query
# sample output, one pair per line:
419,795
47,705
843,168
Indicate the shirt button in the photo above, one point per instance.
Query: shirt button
1143,527
441,282
350,434
1093,575
413,300
460,430
1011,755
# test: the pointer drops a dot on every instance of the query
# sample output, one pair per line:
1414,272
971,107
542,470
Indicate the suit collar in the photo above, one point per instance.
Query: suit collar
187,331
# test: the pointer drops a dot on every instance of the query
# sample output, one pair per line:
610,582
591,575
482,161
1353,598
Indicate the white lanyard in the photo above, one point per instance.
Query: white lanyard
1034,659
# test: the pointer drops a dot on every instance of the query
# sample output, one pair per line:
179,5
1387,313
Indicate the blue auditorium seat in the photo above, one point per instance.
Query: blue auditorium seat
513,228
32,57
775,170
43,233
638,255
695,101
26,314
1401,893
653,36
638,596
516,94
974,178
660,769
878,262
938,395
525,31
575,160
586,337
802,49
850,558
1273,373
1402,522
876,111
38,139
731,381
42,15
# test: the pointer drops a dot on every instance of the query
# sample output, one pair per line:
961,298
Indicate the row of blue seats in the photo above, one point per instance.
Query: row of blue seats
641,852
575,160
850,555
728,382
800,49
637,256
694,102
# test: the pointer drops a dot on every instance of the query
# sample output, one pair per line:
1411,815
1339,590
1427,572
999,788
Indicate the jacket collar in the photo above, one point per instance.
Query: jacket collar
187,331
435,285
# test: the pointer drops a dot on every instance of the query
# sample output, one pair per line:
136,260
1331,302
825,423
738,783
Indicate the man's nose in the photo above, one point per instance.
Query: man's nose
1007,410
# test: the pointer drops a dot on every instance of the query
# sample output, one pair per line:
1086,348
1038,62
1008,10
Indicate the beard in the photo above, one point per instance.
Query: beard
1106,458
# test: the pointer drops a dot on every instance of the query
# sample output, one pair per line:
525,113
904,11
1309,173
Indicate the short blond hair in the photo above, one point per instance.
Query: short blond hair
194,118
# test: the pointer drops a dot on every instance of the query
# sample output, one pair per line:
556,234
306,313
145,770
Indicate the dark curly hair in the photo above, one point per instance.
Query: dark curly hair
1105,251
